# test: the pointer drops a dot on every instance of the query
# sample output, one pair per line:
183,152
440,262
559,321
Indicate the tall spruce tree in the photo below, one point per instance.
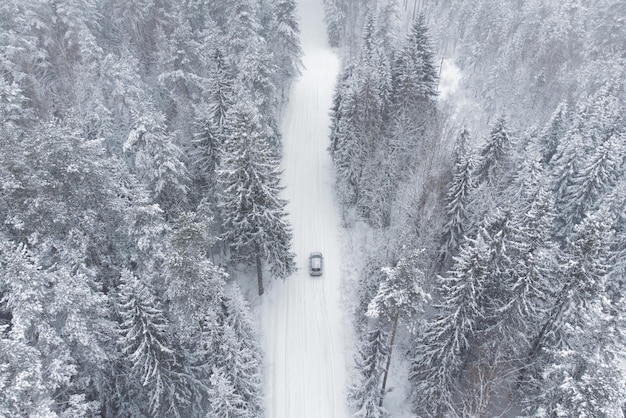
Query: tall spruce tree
142,338
400,297
414,77
253,213
553,133
158,160
495,156
285,42
364,394
448,337
458,200
576,352
225,401
211,123
597,175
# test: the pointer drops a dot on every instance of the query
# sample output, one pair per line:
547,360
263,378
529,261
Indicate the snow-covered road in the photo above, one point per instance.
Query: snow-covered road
303,335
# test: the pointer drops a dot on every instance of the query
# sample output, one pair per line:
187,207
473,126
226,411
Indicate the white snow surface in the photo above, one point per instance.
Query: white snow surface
304,329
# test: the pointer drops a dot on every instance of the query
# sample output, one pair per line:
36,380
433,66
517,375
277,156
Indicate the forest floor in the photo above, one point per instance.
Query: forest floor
304,323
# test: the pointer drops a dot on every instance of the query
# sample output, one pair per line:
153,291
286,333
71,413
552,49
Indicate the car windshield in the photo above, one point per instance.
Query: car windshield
316,263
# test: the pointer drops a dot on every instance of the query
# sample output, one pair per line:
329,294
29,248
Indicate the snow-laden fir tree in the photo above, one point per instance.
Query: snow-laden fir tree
230,348
143,341
596,120
211,123
239,363
157,159
576,356
570,152
285,42
364,394
532,260
379,173
23,391
598,174
335,19
210,318
194,284
237,315
360,109
377,190
251,55
336,111
253,213
414,76
553,133
347,151
584,166
458,199
400,296
25,387
447,338
495,156
59,317
225,401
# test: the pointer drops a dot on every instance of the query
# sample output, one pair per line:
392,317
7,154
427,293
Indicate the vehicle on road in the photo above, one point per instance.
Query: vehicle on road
316,264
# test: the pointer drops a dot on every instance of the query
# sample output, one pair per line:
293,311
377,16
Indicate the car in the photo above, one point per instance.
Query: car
316,264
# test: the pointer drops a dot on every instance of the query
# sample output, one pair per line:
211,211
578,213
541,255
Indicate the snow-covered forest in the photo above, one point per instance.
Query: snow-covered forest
479,152
478,158
139,166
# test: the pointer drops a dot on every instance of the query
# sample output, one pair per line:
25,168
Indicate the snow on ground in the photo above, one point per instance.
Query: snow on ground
303,321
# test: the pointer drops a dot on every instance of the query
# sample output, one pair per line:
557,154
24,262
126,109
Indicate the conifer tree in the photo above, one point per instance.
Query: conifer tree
23,391
341,88
458,200
252,211
495,156
360,155
285,42
60,316
573,374
448,337
158,160
348,150
414,75
365,392
241,366
142,337
379,175
211,123
377,189
553,133
597,175
577,179
400,293
569,154
23,374
225,401
533,255
400,296
335,19
194,284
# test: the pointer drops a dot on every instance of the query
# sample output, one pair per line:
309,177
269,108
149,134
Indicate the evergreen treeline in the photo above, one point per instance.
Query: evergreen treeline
497,262
523,58
130,132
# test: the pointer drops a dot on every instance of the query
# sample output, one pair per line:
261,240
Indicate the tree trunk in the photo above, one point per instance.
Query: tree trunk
259,269
393,337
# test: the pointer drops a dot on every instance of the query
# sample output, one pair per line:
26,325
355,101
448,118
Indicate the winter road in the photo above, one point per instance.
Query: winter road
303,321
